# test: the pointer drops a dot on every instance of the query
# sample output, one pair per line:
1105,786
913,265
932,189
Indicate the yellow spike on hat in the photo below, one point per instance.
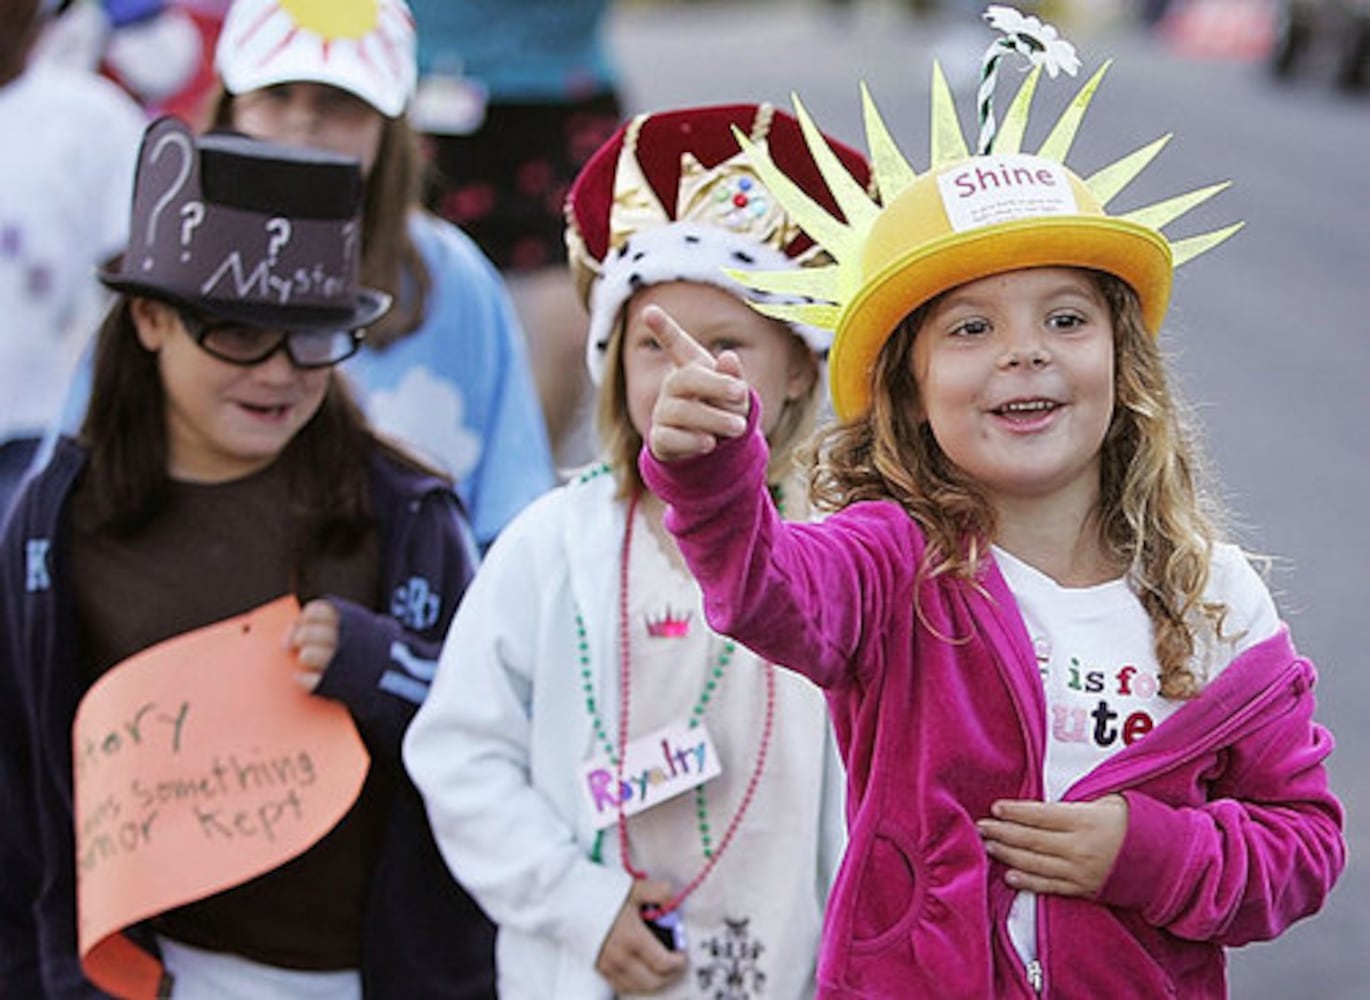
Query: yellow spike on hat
1106,183
816,282
967,217
1183,251
851,197
815,314
1057,144
948,141
892,171
1010,137
826,230
1162,212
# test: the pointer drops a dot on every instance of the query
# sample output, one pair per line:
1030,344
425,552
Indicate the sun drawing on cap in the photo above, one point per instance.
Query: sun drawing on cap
364,46
329,19
916,243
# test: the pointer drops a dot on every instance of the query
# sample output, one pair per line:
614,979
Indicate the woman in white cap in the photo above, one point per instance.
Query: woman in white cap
644,808
446,372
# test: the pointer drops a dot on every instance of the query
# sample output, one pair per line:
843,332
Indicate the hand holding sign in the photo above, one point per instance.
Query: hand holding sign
314,639
703,399
199,765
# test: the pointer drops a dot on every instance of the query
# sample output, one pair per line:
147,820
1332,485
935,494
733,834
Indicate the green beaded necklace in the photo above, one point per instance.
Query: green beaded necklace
701,705
725,657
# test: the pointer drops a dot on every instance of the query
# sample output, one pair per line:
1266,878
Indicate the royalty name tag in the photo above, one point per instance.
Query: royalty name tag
656,767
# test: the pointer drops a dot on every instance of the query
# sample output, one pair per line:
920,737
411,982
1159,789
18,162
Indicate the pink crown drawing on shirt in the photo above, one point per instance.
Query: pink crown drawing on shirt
669,626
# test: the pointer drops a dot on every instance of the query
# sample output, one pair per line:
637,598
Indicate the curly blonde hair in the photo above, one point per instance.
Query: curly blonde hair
1153,516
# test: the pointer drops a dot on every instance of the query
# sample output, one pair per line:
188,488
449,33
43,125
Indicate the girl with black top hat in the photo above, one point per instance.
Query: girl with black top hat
221,465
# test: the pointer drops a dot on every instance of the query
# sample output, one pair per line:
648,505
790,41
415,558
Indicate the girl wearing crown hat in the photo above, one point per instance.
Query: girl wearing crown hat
222,467
644,807
1080,742
446,371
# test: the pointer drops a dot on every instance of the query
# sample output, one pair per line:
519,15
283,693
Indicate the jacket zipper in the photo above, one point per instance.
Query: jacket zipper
1035,789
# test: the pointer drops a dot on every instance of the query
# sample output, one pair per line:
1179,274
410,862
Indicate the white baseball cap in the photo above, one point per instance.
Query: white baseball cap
366,47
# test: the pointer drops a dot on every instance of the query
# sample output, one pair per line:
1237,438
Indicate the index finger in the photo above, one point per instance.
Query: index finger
679,346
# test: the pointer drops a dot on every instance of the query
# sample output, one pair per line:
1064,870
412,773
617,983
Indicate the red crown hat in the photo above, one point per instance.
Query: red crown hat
671,196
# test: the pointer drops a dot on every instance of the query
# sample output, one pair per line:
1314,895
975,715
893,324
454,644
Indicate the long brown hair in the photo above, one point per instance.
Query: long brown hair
19,29
1153,515
125,431
391,261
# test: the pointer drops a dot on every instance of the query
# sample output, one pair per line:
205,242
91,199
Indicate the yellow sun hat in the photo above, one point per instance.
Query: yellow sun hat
365,47
969,216
983,216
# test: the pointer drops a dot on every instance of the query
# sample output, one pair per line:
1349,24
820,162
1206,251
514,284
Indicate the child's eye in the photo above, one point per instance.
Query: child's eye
1066,321
970,328
717,347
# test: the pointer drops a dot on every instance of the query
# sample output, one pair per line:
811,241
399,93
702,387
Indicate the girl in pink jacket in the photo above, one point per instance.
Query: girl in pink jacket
1080,744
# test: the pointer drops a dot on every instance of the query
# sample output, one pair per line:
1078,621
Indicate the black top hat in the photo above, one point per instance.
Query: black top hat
246,230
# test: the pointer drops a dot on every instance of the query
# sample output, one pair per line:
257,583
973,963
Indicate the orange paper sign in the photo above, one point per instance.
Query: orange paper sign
199,764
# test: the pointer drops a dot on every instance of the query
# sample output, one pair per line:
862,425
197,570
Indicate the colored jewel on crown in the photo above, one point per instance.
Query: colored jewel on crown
731,196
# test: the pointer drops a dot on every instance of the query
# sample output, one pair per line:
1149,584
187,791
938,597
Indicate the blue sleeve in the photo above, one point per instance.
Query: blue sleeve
515,465
386,659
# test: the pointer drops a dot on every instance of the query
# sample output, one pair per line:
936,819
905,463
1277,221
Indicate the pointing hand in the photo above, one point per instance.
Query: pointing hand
703,399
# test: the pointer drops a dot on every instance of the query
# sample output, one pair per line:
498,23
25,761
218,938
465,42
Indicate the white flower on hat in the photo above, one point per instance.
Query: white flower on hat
1033,39
365,47
1028,37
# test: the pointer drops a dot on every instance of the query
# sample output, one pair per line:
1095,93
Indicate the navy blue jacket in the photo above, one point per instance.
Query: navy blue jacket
423,936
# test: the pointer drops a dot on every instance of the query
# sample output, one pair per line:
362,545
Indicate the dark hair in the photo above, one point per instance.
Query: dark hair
19,26
125,431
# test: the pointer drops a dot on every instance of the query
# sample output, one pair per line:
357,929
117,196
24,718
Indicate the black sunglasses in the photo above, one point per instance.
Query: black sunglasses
241,344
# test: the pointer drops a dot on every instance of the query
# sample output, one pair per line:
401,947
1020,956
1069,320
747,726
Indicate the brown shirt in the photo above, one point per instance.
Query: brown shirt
217,551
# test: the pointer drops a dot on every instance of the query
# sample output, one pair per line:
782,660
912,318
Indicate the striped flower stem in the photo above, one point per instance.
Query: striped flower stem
984,98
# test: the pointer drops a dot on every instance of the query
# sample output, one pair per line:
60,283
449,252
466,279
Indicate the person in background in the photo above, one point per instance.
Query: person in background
514,96
1081,744
221,464
580,662
66,170
161,52
446,371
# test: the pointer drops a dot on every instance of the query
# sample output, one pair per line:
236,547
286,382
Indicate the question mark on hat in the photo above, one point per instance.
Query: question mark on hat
192,214
182,143
279,229
349,234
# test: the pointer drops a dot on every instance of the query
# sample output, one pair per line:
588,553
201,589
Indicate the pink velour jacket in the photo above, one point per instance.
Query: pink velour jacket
938,707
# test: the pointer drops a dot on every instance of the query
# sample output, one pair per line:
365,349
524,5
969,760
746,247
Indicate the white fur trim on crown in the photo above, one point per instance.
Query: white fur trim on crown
367,49
683,251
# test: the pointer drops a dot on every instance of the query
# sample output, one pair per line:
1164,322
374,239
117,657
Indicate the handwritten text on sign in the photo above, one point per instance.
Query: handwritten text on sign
656,767
199,764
